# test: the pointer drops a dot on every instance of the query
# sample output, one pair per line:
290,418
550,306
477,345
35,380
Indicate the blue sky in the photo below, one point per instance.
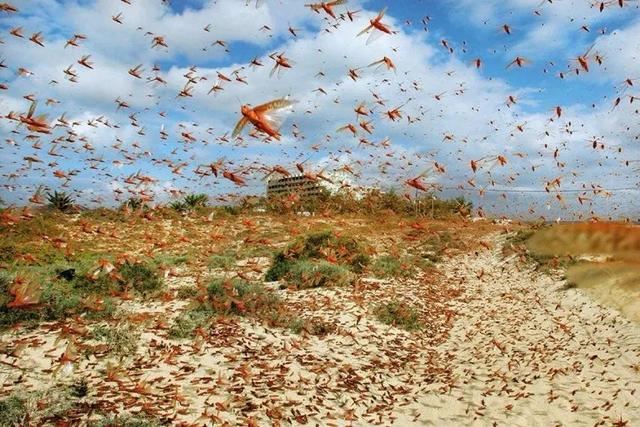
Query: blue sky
472,120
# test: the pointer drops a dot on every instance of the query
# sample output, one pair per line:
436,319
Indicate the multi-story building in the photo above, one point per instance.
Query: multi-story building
298,184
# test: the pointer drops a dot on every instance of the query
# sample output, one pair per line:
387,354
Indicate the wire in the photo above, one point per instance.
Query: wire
570,190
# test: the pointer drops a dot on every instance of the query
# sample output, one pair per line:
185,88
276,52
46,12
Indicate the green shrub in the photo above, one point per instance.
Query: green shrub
126,420
143,277
279,268
133,203
398,314
60,201
315,274
222,261
229,297
59,301
188,321
178,206
186,292
5,282
14,410
520,237
121,339
387,266
296,325
238,297
22,408
317,246
193,201
190,203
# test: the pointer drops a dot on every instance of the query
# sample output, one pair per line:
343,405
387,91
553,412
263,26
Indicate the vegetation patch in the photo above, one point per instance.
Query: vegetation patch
126,420
386,266
121,339
60,201
190,202
398,314
230,297
306,274
23,408
237,297
319,259
185,325
58,292
224,262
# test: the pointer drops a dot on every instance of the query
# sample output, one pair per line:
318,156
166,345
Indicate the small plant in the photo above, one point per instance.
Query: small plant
37,407
125,420
142,277
13,410
121,339
60,201
222,261
186,292
320,328
134,204
399,314
193,201
386,266
190,203
319,247
238,297
296,325
520,237
309,274
188,321
178,206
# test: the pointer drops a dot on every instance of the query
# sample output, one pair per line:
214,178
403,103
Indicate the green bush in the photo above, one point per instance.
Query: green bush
386,266
222,261
188,321
121,339
190,202
316,247
60,201
279,268
142,277
61,298
126,420
58,301
14,410
133,203
178,206
186,292
193,201
398,314
23,408
314,274
238,297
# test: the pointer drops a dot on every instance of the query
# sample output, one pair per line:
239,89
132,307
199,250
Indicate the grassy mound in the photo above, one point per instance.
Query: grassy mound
319,259
399,314
230,297
71,291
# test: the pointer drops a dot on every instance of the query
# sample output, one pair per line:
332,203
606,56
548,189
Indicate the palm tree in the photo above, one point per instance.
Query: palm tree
60,201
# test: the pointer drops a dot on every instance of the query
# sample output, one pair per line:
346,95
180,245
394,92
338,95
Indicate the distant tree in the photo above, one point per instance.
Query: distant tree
60,201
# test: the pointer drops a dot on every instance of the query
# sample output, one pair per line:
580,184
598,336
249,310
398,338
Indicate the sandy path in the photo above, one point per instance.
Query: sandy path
526,352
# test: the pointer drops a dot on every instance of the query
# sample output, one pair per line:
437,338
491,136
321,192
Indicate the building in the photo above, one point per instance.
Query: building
298,184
